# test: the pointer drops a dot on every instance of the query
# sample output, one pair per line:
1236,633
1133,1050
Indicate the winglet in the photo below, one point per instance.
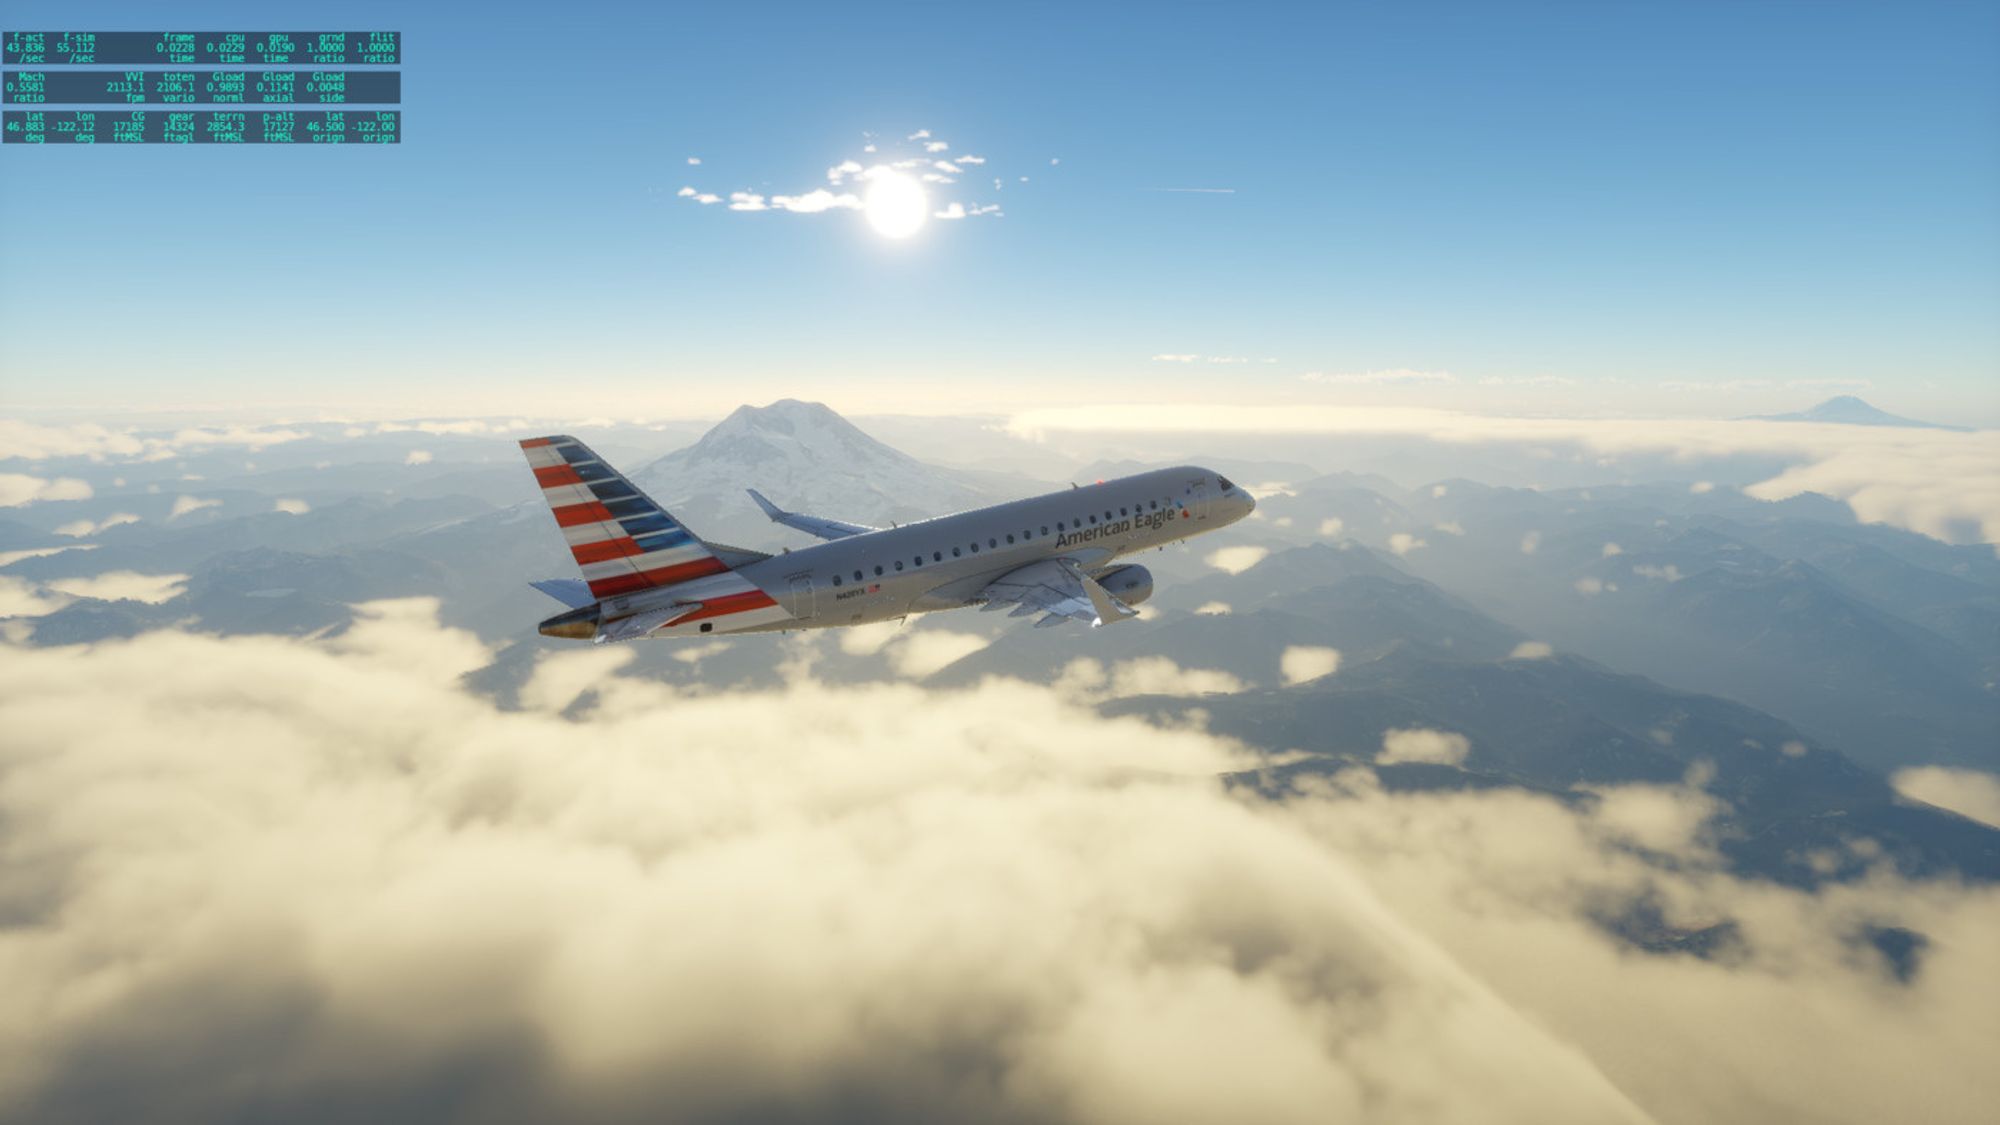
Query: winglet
772,510
1108,608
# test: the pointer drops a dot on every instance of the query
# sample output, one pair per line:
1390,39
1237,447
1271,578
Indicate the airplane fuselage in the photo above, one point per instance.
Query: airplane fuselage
946,562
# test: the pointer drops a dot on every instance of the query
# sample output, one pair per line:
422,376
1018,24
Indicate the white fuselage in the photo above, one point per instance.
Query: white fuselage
945,563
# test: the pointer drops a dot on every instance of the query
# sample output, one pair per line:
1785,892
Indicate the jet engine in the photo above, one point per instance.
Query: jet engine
1129,584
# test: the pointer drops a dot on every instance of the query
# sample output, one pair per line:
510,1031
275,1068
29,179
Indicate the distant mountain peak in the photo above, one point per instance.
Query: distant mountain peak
805,456
1848,410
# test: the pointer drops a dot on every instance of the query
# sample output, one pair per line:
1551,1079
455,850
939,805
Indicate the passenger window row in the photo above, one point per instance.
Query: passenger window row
993,542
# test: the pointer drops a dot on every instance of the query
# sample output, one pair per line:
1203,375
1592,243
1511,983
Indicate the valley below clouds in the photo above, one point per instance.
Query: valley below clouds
324,879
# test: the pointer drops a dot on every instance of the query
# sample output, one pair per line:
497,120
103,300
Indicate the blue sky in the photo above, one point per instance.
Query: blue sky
1683,209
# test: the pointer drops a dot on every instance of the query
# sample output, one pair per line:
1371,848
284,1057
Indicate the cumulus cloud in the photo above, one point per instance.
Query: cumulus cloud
815,201
1665,819
9,558
34,442
79,529
863,640
1402,543
123,585
1213,609
1236,560
923,652
1531,542
1971,793
462,426
328,864
291,507
1532,650
912,653
1417,744
1090,679
1390,377
17,489
21,598
1304,663
920,157
186,504
418,457
1612,550
1589,586
1330,527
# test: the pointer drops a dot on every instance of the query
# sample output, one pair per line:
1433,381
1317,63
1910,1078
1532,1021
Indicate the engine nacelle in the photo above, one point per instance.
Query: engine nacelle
1129,584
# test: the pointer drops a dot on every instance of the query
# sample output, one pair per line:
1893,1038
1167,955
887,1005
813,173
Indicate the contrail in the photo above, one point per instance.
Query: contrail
1199,190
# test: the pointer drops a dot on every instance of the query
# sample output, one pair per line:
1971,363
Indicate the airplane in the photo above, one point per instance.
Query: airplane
646,575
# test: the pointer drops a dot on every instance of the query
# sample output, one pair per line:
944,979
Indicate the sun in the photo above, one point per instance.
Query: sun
897,206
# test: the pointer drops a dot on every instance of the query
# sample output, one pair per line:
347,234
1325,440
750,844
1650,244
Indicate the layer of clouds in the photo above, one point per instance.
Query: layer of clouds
327,865
35,441
1938,482
1531,650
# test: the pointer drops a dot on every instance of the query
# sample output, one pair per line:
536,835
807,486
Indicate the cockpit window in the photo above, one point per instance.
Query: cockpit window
1222,482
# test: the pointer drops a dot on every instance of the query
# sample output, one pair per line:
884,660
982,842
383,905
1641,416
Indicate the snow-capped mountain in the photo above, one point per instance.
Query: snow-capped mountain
1847,410
804,457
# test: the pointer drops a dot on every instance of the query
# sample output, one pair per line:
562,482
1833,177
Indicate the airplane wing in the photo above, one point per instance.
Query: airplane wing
811,525
1059,588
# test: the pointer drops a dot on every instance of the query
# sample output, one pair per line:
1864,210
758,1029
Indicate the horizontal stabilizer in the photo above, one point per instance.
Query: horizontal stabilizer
572,592
811,525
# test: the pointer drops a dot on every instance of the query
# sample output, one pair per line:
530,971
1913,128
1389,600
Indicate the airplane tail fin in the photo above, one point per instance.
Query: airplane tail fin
622,540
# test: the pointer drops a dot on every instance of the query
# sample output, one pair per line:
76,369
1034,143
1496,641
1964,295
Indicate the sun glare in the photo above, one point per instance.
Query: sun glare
897,206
